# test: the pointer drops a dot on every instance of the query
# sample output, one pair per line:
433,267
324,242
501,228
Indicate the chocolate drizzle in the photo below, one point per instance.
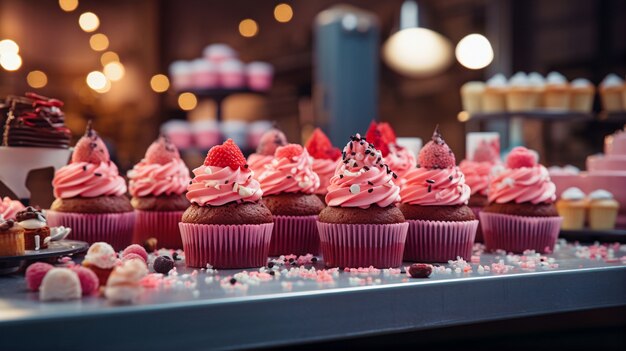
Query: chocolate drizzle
30,213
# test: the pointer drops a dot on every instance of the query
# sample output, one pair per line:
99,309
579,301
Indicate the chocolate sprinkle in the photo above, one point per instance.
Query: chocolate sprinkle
246,166
226,181
370,183
450,177
233,281
370,190
430,181
97,174
288,177
84,168
366,168
341,176
429,188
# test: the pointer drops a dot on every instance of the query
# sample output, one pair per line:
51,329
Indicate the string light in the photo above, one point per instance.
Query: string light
8,46
10,61
99,42
159,83
105,89
187,101
68,5
283,13
109,57
37,79
89,22
96,80
114,71
248,28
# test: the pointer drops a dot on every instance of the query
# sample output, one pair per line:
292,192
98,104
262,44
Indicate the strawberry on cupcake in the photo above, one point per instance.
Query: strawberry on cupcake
399,159
325,158
226,224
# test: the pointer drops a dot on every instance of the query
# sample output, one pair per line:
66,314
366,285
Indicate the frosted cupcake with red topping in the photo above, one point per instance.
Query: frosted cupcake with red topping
362,226
264,154
434,203
325,158
521,214
157,185
91,196
226,225
399,159
289,185
9,208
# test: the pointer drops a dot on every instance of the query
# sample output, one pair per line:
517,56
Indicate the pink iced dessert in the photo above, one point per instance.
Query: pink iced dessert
89,282
137,250
9,208
35,273
325,158
477,172
270,140
399,159
291,171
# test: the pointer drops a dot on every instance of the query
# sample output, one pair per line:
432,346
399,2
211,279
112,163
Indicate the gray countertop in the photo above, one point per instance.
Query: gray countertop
205,311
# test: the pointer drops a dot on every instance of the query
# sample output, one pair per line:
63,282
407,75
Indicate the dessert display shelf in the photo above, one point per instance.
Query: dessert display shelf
545,115
589,236
219,95
10,264
211,309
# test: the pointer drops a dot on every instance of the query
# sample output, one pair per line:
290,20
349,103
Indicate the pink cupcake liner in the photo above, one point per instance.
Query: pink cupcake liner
226,246
295,235
439,241
516,233
113,228
479,230
162,225
362,245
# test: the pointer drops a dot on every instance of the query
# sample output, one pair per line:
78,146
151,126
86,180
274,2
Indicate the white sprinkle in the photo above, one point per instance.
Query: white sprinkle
355,189
509,182
294,170
304,185
245,192
359,157
235,187
208,170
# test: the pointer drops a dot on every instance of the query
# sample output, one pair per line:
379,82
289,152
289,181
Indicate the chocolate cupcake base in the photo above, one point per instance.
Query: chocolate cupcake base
354,215
163,203
231,213
457,213
294,204
525,209
101,204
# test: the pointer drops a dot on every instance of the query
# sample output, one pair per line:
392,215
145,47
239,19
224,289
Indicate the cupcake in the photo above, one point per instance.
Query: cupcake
101,259
494,98
610,93
520,96
91,196
264,154
434,202
361,226
472,96
521,214
399,159
325,159
572,207
477,172
157,185
581,92
538,84
603,210
557,96
289,185
226,224
9,208
36,230
11,238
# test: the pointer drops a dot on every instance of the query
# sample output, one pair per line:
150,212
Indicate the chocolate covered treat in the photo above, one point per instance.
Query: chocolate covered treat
34,121
36,228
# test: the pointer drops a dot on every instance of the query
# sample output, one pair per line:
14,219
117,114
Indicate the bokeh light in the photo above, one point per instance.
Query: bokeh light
418,52
99,42
474,51
114,71
187,101
68,5
96,80
10,61
36,79
8,46
283,13
88,21
108,57
159,83
248,28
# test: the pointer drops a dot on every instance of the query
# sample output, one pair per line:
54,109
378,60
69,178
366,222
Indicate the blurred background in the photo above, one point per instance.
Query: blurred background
110,61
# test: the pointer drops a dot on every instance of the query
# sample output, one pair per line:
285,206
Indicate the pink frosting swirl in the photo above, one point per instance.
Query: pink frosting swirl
257,162
9,208
362,179
325,169
85,179
290,175
524,184
216,186
401,161
435,187
477,175
153,179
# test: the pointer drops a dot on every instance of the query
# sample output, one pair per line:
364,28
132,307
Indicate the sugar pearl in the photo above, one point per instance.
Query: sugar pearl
355,189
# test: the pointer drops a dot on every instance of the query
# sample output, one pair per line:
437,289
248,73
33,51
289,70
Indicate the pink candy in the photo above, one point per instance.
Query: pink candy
35,273
136,249
88,279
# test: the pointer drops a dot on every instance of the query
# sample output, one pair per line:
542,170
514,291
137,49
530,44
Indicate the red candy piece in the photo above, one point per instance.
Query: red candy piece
420,270
137,250
225,155
35,273
162,152
389,135
90,148
320,147
270,141
521,157
88,279
375,137
436,153
288,151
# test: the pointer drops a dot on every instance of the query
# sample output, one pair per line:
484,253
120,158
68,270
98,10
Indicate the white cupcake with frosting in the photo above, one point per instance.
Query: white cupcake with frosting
611,90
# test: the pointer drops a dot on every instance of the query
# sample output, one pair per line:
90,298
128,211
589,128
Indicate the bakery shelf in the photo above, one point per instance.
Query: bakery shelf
545,115
267,315
589,236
